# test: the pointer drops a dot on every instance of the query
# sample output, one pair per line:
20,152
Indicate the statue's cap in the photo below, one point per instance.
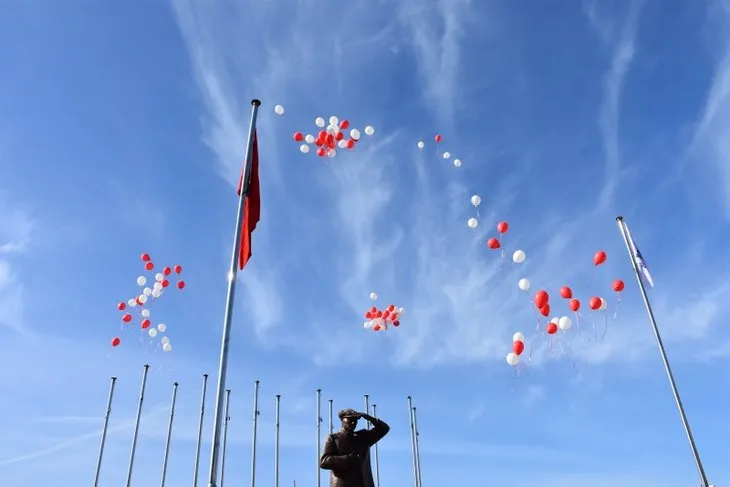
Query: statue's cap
347,413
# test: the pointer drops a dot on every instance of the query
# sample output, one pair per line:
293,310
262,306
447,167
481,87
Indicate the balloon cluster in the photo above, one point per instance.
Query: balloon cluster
330,138
518,346
142,300
446,155
378,319
494,243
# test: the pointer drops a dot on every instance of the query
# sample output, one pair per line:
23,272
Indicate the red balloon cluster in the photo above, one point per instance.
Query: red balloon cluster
542,302
328,141
494,243
380,319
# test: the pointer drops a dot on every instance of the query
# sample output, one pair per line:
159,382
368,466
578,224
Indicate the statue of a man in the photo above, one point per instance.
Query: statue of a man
347,453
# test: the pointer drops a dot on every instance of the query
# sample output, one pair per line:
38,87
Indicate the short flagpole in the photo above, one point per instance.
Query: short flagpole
663,353
277,426
377,461
413,441
256,413
200,431
418,446
225,436
136,425
319,436
105,430
226,335
331,417
169,435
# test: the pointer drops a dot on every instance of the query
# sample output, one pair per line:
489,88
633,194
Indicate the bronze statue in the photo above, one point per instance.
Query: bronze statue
347,453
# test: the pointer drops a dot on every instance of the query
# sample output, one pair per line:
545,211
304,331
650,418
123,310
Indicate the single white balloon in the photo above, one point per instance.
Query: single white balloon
279,110
604,305
373,296
367,325
519,256
518,337
554,319
472,222
342,144
420,145
513,359
355,134
145,313
159,278
141,281
165,340
142,299
369,130
401,311
157,292
304,148
162,327
152,332
132,303
331,153
309,139
476,200
334,120
564,323
147,291
524,284
166,347
319,122
447,155
457,162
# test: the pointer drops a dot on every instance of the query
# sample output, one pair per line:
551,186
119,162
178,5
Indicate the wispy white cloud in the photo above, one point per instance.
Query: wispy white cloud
16,227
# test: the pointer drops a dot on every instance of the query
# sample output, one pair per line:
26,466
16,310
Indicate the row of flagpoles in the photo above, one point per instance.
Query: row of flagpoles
371,409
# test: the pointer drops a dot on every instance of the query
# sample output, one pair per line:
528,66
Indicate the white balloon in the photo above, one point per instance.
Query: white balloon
157,292
420,145
142,299
145,313
369,130
373,296
513,359
472,222
334,120
401,311
367,325
447,155
162,327
309,139
147,291
476,200
132,303
141,281
355,134
319,122
279,110
457,162
166,347
331,153
333,129
159,278
342,144
165,340
524,284
518,337
564,323
519,256
152,332
604,305
554,319
304,148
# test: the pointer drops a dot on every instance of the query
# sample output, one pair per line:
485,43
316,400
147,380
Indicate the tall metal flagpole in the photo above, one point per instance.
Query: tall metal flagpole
169,435
418,446
276,440
104,431
660,344
377,462
225,436
367,406
319,436
136,425
413,441
256,413
200,431
226,335
331,417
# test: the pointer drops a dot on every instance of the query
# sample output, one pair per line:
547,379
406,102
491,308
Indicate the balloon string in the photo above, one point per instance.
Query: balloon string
618,305
605,329
477,208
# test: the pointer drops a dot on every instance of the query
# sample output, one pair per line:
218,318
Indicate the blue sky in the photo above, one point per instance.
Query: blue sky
122,128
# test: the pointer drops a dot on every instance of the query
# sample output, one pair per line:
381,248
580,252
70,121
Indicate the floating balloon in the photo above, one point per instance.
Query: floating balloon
476,201
518,347
524,284
472,223
551,328
599,258
604,305
493,244
369,130
141,281
541,298
420,145
618,285
457,162
502,227
566,292
564,323
373,296
279,110
437,138
116,341
574,305
545,310
594,303
512,359
519,256
447,155
518,337
319,122
378,319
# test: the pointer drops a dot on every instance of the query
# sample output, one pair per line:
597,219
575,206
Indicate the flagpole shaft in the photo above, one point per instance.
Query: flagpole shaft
200,431
663,353
104,430
418,446
254,432
331,416
377,461
169,435
136,425
367,406
413,441
225,337
319,436
225,436
276,440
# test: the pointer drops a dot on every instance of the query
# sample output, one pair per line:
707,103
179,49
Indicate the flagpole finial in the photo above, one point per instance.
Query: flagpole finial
256,102
619,218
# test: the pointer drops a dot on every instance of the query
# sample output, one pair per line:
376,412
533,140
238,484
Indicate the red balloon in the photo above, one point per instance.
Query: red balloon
545,310
298,136
437,138
541,299
165,283
145,324
599,258
145,257
551,328
181,285
391,307
376,328
574,305
502,227
178,269
139,302
116,341
167,271
618,285
350,144
566,292
344,124
149,266
127,318
595,303
493,243
122,306
518,347
321,152
396,323
368,316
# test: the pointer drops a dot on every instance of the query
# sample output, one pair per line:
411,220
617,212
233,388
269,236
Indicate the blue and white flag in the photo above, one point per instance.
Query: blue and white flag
638,258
